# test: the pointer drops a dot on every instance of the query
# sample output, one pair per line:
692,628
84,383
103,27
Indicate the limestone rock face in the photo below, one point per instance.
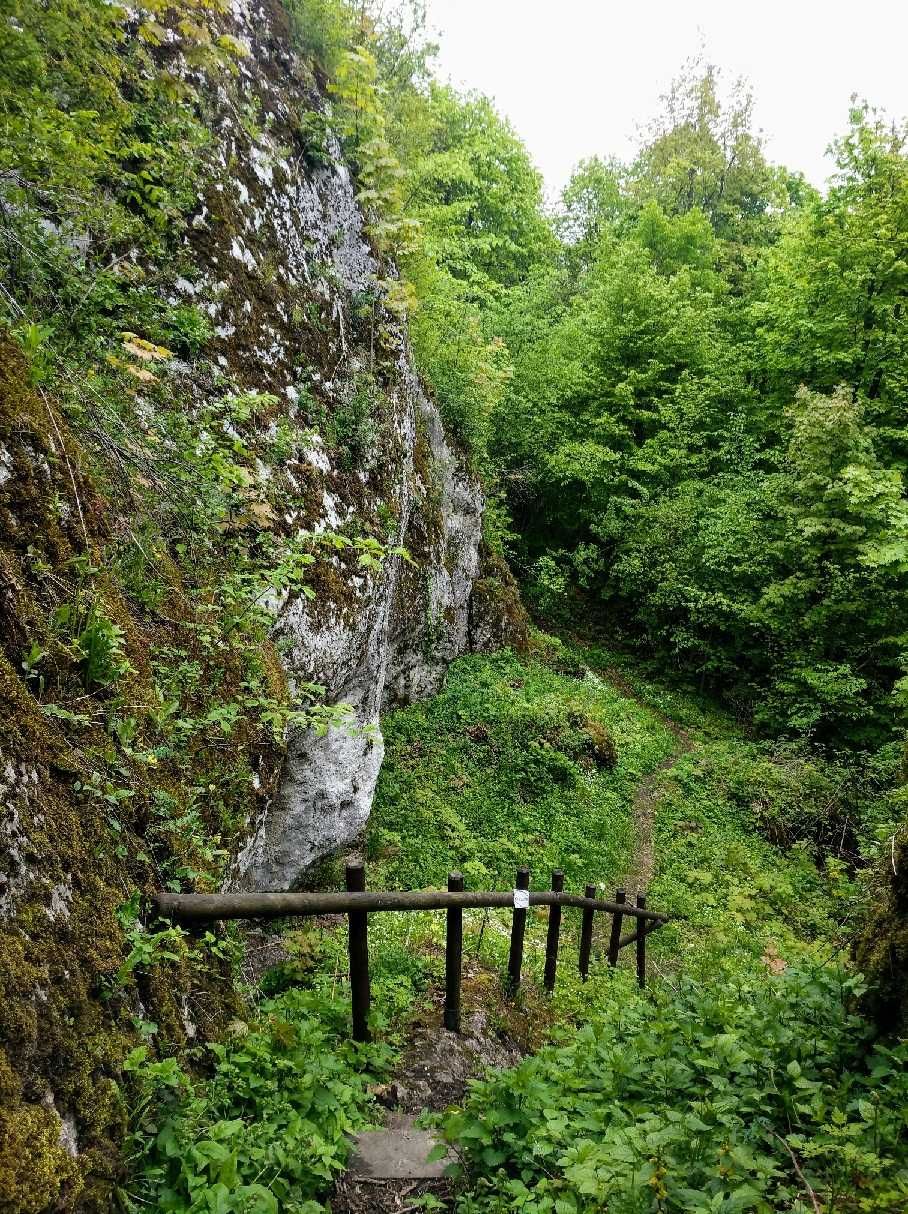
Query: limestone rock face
389,643
429,624
295,250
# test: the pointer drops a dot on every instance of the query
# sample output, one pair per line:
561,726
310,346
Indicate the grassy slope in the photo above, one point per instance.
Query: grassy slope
497,770
501,769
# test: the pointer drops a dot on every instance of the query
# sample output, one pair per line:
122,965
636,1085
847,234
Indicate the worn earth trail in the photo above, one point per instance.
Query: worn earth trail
388,1170
648,794
646,800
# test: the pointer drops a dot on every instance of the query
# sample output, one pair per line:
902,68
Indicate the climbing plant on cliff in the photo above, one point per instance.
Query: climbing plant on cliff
100,140
451,193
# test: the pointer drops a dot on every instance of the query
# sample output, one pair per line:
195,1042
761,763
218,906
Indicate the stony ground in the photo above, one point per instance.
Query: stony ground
388,1170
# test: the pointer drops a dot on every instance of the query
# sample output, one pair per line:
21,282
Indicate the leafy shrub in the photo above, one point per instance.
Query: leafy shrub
322,30
601,743
301,947
268,1131
103,656
548,587
466,371
97,643
721,1097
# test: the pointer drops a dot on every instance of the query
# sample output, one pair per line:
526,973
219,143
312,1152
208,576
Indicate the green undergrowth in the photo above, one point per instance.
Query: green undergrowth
513,763
726,1093
497,771
733,888
739,1080
259,1120
745,1074
266,1131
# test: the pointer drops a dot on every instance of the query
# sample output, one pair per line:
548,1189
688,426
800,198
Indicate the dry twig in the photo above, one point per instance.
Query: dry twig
814,1200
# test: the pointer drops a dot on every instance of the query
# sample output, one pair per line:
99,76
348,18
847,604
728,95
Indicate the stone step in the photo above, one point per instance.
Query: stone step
398,1152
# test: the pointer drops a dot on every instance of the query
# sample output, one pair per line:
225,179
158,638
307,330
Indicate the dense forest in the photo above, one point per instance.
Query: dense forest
679,392
693,415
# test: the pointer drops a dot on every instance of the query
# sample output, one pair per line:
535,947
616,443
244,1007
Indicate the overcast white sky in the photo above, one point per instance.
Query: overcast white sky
576,77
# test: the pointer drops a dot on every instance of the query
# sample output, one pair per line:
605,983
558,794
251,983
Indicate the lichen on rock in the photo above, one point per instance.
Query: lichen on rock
386,637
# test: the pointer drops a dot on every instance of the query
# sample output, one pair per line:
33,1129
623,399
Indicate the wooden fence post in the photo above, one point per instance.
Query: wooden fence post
641,943
551,939
359,956
453,958
586,934
518,928
615,940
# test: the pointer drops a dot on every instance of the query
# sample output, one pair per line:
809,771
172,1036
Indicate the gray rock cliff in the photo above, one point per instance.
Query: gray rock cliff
281,243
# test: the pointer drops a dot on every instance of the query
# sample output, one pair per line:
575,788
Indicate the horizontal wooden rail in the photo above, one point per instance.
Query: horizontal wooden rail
356,902
632,937
195,908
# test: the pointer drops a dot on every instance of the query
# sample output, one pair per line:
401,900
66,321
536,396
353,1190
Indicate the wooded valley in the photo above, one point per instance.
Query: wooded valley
357,498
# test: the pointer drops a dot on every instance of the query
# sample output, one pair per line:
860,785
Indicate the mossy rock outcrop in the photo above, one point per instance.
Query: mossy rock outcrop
214,374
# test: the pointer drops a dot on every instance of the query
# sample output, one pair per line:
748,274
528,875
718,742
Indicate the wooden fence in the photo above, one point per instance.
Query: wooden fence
358,903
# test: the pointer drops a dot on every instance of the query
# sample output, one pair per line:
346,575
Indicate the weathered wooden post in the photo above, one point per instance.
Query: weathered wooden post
551,940
586,934
359,956
615,939
518,929
641,943
453,957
